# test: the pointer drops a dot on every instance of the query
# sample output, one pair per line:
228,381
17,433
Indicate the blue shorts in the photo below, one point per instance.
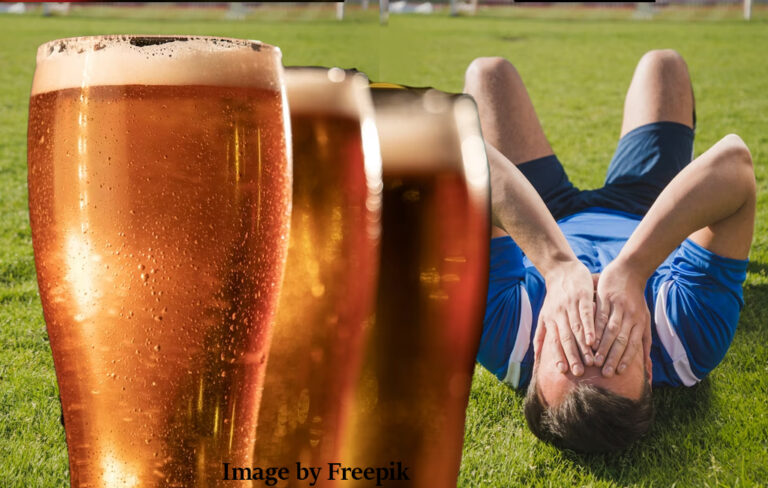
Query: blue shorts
645,161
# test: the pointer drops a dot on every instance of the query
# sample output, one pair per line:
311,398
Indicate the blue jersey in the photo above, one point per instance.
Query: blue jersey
694,299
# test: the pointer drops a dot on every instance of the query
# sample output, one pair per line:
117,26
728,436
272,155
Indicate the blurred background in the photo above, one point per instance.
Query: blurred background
358,9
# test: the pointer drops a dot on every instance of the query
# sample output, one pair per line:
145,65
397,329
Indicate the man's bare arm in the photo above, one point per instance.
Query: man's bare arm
568,306
711,201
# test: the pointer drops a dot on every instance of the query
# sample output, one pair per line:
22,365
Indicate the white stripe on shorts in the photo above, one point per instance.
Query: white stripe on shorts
670,340
522,341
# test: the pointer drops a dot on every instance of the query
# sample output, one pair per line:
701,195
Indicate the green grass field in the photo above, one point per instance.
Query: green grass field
577,68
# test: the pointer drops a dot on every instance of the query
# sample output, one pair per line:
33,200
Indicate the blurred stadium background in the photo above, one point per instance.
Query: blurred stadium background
372,9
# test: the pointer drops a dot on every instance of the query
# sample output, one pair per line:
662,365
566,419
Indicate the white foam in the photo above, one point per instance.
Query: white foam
417,136
328,91
183,60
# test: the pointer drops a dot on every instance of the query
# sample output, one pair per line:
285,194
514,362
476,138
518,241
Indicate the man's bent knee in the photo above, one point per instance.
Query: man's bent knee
664,59
490,67
735,153
737,149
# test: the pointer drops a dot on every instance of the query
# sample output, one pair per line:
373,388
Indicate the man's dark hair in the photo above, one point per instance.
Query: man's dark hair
590,418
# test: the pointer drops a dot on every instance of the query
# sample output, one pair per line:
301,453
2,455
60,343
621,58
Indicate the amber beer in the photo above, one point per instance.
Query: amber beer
432,283
159,191
329,281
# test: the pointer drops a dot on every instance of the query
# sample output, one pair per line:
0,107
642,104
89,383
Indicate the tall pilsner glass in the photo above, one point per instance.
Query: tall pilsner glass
159,192
329,284
415,384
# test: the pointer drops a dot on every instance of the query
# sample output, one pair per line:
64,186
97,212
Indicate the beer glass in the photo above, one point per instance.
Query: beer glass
329,283
414,389
159,195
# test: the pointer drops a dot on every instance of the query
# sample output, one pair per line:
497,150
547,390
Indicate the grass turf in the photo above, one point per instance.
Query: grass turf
577,71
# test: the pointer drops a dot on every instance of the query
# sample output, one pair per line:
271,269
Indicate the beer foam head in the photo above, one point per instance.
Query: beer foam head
327,91
417,131
156,60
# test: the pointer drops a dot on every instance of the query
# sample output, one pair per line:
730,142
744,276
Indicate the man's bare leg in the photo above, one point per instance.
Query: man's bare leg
660,91
507,116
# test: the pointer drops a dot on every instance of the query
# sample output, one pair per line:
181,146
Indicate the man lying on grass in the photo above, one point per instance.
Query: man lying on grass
668,237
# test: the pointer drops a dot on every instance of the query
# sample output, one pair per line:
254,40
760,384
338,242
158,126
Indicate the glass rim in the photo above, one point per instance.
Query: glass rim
448,131
119,59
425,100
333,90
99,42
348,72
333,75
